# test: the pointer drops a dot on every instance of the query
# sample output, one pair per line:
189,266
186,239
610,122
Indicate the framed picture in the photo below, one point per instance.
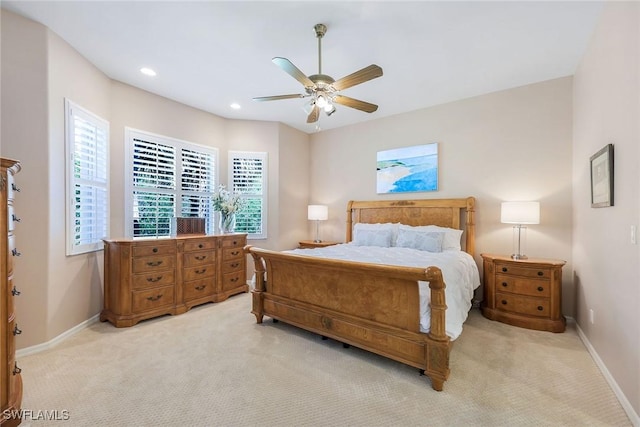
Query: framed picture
408,169
602,177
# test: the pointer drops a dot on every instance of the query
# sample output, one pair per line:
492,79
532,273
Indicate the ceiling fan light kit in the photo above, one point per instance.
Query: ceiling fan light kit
323,89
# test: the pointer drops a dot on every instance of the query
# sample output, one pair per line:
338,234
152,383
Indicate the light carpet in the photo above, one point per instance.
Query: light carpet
214,366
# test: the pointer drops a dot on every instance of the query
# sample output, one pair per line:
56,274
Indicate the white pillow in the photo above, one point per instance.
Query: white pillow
380,238
362,233
451,240
430,241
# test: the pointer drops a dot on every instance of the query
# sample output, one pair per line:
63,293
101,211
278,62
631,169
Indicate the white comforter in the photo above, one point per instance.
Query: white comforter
459,271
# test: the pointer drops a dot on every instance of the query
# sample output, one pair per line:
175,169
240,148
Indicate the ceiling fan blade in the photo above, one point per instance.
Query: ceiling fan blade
360,76
355,103
314,115
293,71
277,97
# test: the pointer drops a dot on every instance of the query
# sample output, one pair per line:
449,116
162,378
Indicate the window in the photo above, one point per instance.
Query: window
167,178
248,178
87,210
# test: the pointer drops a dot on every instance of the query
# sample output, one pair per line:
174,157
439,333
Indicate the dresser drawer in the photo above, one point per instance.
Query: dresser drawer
154,279
200,272
523,286
233,265
541,273
529,306
11,217
232,253
198,288
10,297
191,245
234,242
194,259
153,249
233,280
155,263
11,248
152,298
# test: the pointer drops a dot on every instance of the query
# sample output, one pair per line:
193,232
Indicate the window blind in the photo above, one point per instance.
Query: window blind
247,178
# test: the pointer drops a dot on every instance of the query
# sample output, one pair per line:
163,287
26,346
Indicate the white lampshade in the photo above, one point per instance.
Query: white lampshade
520,213
318,212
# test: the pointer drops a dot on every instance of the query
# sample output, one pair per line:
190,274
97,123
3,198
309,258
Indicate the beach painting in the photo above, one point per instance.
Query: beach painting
408,169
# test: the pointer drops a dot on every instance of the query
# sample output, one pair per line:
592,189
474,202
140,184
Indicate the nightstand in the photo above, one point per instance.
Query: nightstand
524,292
310,244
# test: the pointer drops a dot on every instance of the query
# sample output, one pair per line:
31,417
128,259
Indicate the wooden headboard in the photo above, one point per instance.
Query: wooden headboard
452,213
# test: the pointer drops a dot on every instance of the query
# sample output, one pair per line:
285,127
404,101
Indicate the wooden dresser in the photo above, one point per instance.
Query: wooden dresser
525,293
10,379
146,278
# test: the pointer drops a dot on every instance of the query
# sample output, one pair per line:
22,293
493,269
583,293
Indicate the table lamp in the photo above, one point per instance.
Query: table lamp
520,213
317,213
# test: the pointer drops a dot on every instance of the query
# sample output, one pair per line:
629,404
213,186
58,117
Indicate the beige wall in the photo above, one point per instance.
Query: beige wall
509,145
606,263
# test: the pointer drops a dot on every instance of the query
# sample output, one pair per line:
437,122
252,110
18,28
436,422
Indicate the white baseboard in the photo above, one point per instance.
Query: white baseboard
626,405
52,343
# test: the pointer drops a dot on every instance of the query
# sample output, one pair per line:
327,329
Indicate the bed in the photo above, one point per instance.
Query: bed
370,305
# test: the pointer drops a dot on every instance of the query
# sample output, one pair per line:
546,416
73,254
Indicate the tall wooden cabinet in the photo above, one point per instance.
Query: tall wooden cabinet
10,379
146,278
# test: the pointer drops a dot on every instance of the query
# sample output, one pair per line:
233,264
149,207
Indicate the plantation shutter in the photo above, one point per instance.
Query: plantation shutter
198,172
247,177
88,180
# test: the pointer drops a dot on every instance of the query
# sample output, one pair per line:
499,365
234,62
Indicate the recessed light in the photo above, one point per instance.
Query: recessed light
147,71
235,106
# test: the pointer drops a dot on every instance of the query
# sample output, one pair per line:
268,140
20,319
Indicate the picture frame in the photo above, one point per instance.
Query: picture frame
601,165
407,169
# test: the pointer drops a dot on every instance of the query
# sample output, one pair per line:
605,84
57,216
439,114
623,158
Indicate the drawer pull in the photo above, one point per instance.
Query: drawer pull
16,331
154,263
504,302
154,298
540,308
540,289
154,279
235,279
200,246
16,370
504,269
155,250
15,292
235,265
201,257
15,218
540,273
14,188
234,253
201,271
505,284
15,252
200,287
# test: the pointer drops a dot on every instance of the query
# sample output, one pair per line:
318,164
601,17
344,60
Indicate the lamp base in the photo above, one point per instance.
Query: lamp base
317,241
518,256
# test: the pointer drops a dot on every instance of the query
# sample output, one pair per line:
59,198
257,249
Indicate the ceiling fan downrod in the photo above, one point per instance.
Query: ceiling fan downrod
320,30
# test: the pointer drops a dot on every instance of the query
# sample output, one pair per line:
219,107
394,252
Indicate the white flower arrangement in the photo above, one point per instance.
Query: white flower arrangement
226,202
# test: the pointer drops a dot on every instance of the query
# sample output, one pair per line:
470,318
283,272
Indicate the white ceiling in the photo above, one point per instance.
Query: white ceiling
209,54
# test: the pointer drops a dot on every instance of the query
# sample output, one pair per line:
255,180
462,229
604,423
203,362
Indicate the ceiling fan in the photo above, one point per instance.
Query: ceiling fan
323,89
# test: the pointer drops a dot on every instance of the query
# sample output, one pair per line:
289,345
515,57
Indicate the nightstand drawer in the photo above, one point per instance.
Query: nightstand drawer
541,273
523,286
523,305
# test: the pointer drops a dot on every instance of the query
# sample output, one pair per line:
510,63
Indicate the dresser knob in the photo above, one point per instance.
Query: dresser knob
154,263
505,284
15,292
540,289
15,218
200,246
540,273
234,253
154,298
14,188
540,308
201,287
154,279
504,269
15,252
201,271
16,331
201,257
504,302
235,242
235,265
16,370
155,250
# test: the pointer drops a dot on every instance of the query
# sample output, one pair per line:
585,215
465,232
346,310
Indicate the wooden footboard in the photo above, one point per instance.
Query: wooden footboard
371,306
